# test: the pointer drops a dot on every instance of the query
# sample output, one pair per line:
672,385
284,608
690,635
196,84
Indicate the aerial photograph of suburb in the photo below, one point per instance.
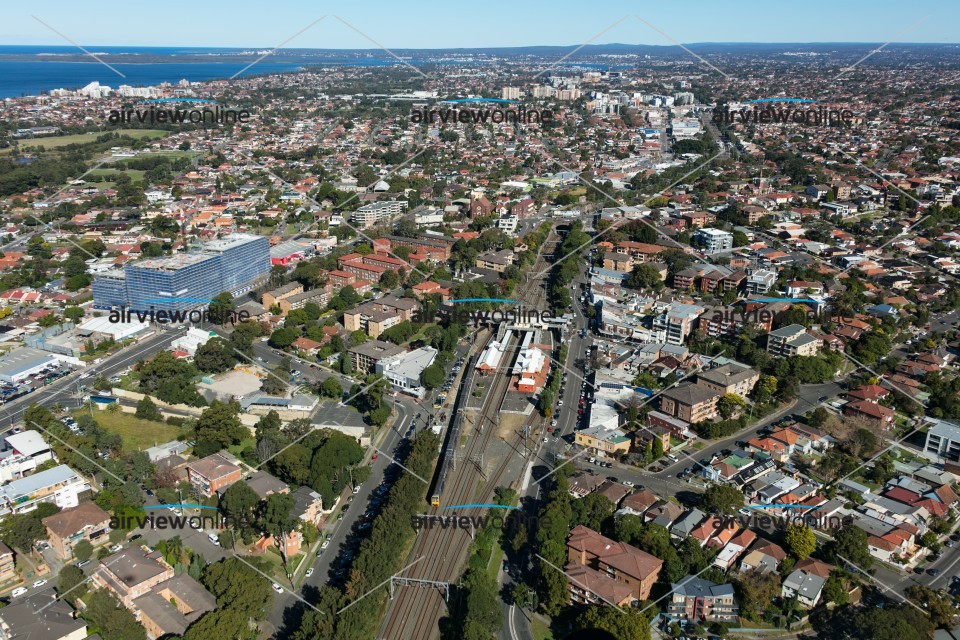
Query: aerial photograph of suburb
512,321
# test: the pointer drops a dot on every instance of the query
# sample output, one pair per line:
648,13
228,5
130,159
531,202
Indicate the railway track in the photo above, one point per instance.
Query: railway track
414,613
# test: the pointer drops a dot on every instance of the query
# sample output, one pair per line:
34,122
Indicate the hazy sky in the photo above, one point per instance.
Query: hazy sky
494,23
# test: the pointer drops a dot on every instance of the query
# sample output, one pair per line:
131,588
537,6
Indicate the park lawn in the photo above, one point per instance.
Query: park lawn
235,449
55,142
136,434
135,174
540,630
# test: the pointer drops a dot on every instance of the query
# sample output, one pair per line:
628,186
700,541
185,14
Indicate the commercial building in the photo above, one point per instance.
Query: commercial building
792,340
22,453
403,370
713,240
98,329
601,440
22,363
61,485
235,264
66,529
695,600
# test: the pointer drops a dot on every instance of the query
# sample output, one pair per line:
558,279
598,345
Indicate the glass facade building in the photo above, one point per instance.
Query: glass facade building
237,264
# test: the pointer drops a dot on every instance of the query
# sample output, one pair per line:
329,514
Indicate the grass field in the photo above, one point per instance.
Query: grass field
136,434
135,174
54,142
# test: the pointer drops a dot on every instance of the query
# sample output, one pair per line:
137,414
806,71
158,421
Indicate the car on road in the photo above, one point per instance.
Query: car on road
308,573
627,483
83,563
115,548
933,572
213,538
949,543
39,583
19,591
374,457
277,588
326,543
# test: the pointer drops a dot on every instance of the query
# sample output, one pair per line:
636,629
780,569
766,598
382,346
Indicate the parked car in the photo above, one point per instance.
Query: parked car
627,483
19,591
213,538
308,573
326,543
39,583
277,588
83,563
116,548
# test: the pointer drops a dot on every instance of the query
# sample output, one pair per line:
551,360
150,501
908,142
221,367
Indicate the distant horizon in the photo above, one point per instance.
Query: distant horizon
380,50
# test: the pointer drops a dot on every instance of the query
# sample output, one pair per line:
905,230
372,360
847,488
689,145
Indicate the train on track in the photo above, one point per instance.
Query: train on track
453,433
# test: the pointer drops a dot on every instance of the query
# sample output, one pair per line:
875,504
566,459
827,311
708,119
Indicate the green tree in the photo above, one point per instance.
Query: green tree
722,498
800,541
147,409
621,623
220,423
278,521
71,583
330,388
849,544
222,308
83,550
215,356
432,377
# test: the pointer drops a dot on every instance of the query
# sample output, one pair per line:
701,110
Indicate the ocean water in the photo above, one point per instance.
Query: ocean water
31,70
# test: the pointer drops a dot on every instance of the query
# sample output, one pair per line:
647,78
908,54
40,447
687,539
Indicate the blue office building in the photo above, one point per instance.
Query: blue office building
237,264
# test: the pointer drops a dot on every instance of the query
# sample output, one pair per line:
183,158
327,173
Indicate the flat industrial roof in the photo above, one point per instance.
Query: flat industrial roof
23,359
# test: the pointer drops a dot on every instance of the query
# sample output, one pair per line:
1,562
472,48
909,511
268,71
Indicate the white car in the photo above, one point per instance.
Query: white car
39,583
212,538
326,543
19,591
627,483
308,573
115,548
277,588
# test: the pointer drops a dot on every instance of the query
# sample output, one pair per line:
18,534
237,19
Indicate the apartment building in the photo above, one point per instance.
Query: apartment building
495,260
792,340
943,440
602,440
695,600
677,322
41,616
61,485
690,402
436,248
66,529
162,602
620,562
271,298
376,212
759,282
713,240
8,569
365,356
730,378
377,316
214,473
